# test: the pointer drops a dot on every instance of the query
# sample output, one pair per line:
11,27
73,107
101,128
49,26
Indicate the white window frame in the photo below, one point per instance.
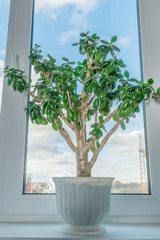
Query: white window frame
15,206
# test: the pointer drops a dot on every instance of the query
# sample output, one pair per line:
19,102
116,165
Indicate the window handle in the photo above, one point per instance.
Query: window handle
15,60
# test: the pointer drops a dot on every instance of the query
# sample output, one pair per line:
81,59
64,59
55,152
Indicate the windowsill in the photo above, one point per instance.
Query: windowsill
52,231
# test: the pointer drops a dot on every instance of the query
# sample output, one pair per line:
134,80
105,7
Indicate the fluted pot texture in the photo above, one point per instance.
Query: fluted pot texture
83,203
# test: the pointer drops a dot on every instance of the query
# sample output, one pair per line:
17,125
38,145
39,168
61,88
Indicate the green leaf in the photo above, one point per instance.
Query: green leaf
85,98
113,39
97,144
120,62
119,75
137,109
158,90
89,139
88,89
59,123
37,121
100,119
98,56
50,116
94,125
84,62
116,48
127,112
60,69
95,87
36,69
102,104
133,80
95,103
94,35
76,117
54,126
115,117
103,96
126,74
74,85
90,71
104,42
75,44
65,59
150,81
82,50
90,52
127,120
123,126
76,74
83,34
69,115
131,102
92,149
125,104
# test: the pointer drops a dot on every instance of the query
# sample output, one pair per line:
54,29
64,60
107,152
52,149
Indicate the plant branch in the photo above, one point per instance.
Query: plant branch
96,116
109,116
66,136
86,102
62,116
76,131
72,127
33,96
93,159
88,57
89,104
87,74
61,92
46,74
69,101
93,62
90,144
96,67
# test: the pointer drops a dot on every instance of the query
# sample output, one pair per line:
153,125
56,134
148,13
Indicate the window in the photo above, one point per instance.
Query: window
4,9
16,206
48,154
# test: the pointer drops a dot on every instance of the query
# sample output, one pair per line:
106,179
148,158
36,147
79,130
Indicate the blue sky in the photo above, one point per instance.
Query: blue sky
57,25
56,28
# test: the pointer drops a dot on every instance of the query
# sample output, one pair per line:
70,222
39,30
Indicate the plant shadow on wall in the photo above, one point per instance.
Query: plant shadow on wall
94,91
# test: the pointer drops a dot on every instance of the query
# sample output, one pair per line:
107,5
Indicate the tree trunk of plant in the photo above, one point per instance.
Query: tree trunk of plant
83,168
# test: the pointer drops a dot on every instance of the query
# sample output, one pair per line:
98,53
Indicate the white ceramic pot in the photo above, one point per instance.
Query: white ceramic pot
83,203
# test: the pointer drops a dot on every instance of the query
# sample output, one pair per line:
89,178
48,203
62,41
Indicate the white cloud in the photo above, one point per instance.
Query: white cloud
79,10
66,36
53,16
124,42
120,157
80,5
125,137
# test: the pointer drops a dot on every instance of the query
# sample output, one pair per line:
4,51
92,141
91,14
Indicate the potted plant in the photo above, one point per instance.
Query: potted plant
96,91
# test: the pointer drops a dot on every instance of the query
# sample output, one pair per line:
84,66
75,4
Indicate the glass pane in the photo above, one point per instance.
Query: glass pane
4,16
57,25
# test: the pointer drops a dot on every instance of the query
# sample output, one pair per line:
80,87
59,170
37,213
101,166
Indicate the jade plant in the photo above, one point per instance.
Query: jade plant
83,95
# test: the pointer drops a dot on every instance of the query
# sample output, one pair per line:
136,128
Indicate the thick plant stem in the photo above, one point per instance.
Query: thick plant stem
83,167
